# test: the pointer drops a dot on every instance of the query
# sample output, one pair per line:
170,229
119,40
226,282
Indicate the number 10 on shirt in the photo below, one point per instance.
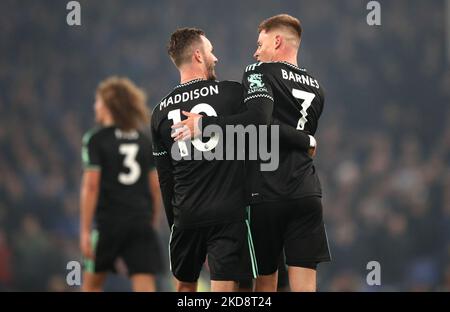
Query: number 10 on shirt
175,116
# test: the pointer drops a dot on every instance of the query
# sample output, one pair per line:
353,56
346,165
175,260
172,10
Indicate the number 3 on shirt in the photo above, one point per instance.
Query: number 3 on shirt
307,98
130,151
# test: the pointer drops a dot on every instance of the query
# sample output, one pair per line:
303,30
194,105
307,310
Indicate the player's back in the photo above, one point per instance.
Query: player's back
298,96
205,191
124,158
298,102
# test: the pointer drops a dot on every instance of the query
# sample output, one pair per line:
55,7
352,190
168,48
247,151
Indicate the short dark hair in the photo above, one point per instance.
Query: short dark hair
125,101
180,43
281,20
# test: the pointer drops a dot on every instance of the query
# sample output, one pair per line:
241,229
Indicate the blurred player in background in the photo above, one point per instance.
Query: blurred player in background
119,190
204,199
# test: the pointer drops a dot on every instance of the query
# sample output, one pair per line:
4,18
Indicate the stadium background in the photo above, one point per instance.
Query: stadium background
384,137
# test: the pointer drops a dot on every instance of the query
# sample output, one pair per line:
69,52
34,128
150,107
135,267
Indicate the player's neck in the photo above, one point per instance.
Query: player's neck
289,58
107,121
191,74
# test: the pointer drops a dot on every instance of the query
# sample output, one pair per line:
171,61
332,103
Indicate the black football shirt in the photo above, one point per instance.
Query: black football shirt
124,158
281,94
298,101
198,192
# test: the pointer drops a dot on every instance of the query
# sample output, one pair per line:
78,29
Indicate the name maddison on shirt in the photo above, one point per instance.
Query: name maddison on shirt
189,96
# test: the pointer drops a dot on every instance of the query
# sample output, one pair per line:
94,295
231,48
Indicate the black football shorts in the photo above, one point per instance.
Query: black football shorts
137,244
295,225
227,246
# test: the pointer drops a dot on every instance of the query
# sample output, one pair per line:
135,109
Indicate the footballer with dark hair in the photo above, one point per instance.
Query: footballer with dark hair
204,199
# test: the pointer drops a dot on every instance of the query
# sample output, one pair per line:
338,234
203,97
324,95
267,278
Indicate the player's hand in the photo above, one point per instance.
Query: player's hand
312,146
187,128
312,151
86,245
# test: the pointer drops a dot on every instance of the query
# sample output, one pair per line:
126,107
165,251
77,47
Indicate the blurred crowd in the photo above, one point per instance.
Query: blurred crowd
383,140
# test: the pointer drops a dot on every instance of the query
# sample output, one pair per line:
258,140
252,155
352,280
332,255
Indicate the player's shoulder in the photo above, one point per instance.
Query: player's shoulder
142,138
290,65
230,85
295,68
143,135
227,85
230,90
201,83
269,67
157,108
313,80
295,73
95,133
256,67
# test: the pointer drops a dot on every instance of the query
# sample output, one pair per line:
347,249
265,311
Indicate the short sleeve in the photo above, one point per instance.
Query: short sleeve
157,144
256,83
90,153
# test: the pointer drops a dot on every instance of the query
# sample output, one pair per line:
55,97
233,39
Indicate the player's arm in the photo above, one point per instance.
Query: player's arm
299,139
165,174
88,200
296,139
258,97
90,186
156,196
259,111
258,92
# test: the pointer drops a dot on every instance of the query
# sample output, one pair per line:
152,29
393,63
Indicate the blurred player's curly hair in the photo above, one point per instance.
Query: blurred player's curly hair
180,47
125,101
282,21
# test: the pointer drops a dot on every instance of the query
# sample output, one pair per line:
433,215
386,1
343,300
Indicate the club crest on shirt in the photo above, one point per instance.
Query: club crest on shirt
256,83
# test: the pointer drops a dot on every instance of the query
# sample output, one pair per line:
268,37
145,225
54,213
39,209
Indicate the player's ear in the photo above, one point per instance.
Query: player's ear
278,41
198,57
